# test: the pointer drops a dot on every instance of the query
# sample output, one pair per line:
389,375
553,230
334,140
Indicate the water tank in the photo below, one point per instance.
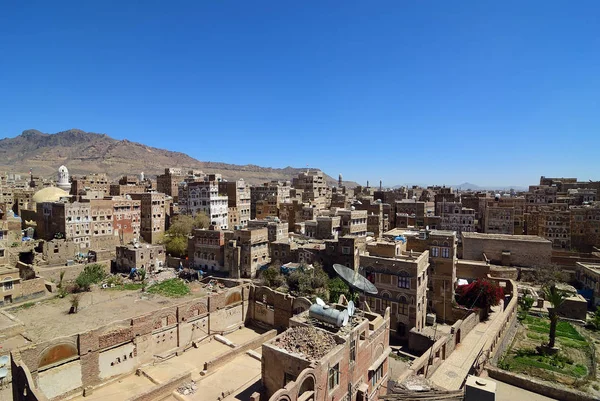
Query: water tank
328,315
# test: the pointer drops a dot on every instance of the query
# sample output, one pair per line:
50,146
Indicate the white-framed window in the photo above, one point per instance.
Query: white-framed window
435,251
445,252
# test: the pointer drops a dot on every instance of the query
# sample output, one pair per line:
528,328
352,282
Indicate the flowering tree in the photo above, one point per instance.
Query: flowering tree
480,293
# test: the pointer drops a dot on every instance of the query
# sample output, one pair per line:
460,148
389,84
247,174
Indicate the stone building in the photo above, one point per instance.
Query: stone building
442,274
350,363
168,183
277,229
238,198
130,184
353,222
91,182
15,288
313,187
588,274
279,190
246,251
71,221
206,249
267,208
504,215
455,217
4,243
127,216
401,279
146,256
155,209
205,197
508,250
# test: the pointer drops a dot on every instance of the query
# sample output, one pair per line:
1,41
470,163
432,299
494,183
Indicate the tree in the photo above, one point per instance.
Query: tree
556,297
525,304
338,287
272,277
481,293
182,226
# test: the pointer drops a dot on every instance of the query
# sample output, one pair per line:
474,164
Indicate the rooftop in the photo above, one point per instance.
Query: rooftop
506,237
591,266
307,341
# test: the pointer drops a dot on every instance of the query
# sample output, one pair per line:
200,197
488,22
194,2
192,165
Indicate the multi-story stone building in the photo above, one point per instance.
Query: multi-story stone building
588,274
155,209
352,366
205,197
91,182
206,249
455,217
313,187
168,183
246,252
126,218
71,221
130,184
277,229
401,279
279,190
140,256
238,198
504,215
267,208
353,222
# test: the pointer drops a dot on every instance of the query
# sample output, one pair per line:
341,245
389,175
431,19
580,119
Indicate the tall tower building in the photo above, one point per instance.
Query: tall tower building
63,179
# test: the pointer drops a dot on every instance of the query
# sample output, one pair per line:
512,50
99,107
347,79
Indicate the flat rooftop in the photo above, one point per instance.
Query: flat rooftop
308,342
506,237
49,318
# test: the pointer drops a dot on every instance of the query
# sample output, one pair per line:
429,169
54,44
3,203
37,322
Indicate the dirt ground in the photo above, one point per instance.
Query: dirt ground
50,318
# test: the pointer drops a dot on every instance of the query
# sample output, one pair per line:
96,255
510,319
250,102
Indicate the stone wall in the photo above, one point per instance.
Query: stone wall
523,252
537,386
71,272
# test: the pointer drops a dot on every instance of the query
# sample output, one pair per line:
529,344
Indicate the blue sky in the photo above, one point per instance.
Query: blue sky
435,92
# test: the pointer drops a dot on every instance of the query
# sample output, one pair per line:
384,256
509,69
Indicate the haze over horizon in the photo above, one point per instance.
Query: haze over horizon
496,94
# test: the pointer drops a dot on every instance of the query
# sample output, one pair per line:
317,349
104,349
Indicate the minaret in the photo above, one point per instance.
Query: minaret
63,179
340,180
142,176
380,185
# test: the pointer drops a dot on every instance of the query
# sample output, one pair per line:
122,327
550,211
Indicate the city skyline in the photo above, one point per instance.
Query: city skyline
493,94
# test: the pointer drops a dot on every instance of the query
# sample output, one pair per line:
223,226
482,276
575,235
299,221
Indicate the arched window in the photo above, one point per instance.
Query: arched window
385,301
402,306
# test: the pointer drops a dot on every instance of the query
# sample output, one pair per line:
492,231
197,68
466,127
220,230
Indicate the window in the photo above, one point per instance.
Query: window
8,285
334,376
352,350
346,250
445,252
402,306
435,251
376,375
385,302
403,280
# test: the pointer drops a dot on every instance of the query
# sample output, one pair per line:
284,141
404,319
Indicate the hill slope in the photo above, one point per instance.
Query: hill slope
85,152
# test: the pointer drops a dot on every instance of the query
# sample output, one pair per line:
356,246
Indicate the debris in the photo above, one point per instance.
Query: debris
187,388
307,341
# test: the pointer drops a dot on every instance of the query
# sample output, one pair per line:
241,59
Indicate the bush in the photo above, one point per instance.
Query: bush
480,293
91,274
338,287
271,277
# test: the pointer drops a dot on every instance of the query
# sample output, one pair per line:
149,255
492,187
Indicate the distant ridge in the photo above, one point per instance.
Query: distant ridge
86,152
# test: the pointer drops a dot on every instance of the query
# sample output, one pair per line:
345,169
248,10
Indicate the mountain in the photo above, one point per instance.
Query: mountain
86,152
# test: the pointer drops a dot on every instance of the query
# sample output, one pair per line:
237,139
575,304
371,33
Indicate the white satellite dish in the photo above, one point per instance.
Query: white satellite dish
351,308
345,318
320,302
3,360
3,373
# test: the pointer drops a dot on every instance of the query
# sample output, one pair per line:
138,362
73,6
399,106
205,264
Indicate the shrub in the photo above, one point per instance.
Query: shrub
337,287
271,277
174,287
480,293
91,274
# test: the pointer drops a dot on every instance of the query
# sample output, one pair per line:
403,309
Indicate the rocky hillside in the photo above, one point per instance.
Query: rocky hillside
85,152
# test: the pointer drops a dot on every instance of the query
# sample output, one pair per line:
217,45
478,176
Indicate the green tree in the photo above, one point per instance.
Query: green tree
337,287
525,304
182,226
556,297
272,277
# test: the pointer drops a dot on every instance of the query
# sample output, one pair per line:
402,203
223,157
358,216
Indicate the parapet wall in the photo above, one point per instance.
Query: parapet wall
65,366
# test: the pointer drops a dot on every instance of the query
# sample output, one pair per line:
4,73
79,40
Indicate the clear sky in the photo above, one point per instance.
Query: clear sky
433,92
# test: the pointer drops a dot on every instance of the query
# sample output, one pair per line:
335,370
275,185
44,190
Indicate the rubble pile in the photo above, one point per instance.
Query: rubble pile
187,388
307,341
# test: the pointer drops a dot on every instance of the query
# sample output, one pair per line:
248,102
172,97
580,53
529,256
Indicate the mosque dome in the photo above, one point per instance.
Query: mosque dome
49,194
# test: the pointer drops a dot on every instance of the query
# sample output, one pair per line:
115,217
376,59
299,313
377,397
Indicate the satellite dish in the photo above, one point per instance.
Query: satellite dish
3,373
345,318
3,360
351,308
320,302
354,280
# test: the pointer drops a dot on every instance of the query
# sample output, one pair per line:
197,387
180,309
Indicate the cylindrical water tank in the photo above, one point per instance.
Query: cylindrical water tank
327,315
